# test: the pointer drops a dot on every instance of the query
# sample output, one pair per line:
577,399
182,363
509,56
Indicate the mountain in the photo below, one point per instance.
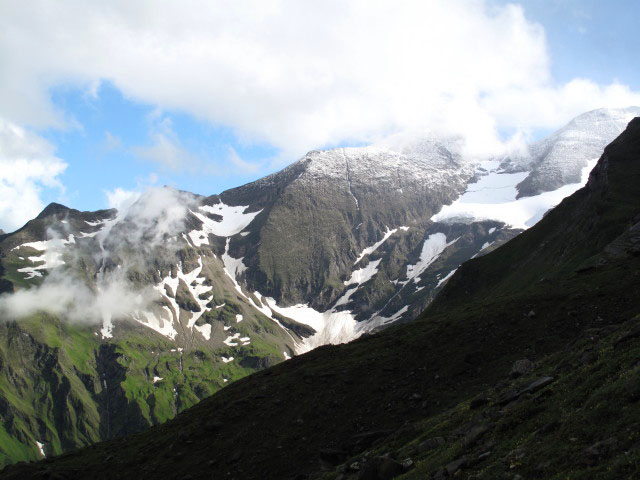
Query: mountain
525,366
118,320
560,158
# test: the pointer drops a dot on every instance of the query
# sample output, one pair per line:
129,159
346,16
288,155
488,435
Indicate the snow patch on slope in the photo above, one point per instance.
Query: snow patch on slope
94,224
40,448
496,187
162,324
233,267
230,341
447,277
374,247
486,245
330,326
432,248
364,274
346,297
166,321
51,255
101,223
522,213
379,320
234,221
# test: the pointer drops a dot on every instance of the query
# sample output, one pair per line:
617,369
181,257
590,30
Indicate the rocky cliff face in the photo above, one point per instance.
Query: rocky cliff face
154,307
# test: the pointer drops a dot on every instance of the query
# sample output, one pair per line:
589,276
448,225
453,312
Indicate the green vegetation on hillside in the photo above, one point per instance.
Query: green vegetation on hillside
64,388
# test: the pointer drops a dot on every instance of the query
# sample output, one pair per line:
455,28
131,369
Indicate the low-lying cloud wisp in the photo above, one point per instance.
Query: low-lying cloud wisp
148,226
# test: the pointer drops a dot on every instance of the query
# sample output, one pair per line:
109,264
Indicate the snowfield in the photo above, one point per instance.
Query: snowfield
494,198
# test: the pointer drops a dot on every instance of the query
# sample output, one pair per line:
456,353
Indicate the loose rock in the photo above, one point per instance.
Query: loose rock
521,367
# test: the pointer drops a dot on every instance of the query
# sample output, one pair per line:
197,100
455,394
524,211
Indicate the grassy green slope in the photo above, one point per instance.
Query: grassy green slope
61,386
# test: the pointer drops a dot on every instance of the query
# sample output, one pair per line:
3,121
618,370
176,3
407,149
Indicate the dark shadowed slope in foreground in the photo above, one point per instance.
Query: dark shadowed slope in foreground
439,396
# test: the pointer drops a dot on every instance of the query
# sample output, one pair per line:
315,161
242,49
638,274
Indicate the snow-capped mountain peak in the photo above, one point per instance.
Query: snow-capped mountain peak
560,158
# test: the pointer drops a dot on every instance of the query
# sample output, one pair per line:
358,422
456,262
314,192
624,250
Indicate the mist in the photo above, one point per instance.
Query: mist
151,222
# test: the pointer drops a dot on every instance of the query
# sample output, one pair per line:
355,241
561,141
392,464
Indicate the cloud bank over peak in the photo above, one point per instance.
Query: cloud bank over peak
27,166
145,223
298,74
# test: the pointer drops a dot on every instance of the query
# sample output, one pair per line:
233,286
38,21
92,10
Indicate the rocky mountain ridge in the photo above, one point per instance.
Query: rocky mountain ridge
510,373
183,294
559,159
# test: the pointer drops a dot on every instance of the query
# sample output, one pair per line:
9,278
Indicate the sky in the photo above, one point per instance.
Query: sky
101,100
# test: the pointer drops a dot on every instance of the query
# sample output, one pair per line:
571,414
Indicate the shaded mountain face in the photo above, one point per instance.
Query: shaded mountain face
511,371
127,317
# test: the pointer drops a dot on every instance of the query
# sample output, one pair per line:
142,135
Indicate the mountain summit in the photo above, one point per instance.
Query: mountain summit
509,373
119,320
560,158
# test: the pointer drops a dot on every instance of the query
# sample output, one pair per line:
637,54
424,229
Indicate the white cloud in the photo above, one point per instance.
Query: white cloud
121,199
551,107
27,166
149,221
166,149
64,295
158,214
297,74
241,163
